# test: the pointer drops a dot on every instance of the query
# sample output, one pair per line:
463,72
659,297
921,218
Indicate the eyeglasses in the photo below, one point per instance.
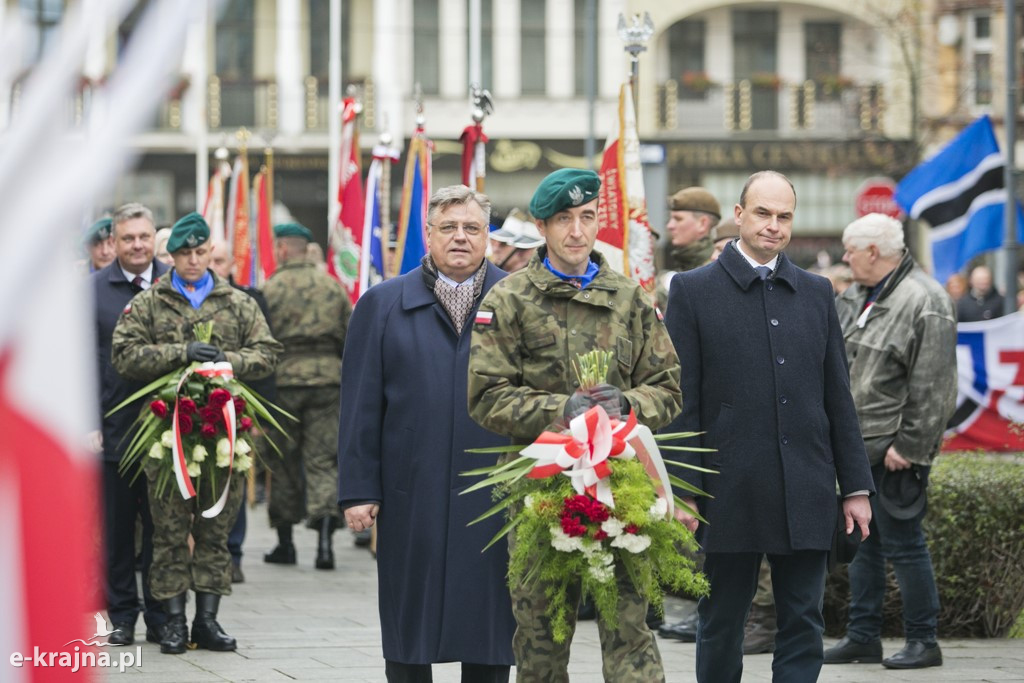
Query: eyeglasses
448,229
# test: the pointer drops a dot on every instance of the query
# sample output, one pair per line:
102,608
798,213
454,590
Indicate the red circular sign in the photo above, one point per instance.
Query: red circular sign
876,196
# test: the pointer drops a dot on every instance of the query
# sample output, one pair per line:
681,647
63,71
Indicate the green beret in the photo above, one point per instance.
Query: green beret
98,231
293,230
695,199
189,232
565,188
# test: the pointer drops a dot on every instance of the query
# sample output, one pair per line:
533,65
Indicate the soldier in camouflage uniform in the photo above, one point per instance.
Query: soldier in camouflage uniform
309,313
153,337
569,301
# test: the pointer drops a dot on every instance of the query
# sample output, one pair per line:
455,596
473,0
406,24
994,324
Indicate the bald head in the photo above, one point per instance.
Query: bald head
222,263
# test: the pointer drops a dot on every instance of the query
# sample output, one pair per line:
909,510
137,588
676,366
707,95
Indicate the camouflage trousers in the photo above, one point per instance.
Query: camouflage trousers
629,653
208,569
764,597
304,481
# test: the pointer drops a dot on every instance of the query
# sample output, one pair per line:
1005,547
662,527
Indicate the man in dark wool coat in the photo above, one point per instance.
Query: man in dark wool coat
403,435
764,377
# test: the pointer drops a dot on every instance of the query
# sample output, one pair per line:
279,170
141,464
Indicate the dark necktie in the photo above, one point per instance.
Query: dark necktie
137,283
763,272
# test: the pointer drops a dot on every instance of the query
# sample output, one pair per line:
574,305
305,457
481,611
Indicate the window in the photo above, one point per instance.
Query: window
686,58
486,35
755,36
979,44
580,58
532,48
41,19
821,54
235,61
425,46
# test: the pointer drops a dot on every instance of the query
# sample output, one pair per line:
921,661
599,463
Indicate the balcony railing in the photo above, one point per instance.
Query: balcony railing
783,109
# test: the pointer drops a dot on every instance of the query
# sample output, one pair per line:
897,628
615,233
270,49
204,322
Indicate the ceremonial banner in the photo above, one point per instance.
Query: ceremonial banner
990,402
213,207
474,156
344,244
264,234
412,219
371,262
624,236
961,193
241,245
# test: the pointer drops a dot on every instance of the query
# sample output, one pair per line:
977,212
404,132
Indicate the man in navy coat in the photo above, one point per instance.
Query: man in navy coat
124,501
403,435
764,376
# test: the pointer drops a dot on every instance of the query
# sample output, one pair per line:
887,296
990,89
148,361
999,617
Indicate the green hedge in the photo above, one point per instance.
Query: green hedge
975,530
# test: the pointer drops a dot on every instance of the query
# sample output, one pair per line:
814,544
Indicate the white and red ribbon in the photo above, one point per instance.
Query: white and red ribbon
181,476
582,454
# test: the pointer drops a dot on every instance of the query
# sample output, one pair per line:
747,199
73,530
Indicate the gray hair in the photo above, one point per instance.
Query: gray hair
457,195
131,211
754,177
883,231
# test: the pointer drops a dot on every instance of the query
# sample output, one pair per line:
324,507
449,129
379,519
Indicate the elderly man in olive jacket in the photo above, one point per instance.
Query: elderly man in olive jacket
900,328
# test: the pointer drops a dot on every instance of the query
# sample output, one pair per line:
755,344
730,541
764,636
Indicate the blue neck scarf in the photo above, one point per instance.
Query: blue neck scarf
196,292
578,281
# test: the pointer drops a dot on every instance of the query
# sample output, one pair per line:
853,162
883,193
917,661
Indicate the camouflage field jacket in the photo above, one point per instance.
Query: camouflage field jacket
532,325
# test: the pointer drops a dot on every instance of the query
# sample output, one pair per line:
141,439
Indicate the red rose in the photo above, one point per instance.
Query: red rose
211,414
632,529
245,424
239,405
208,431
219,397
185,423
187,406
158,408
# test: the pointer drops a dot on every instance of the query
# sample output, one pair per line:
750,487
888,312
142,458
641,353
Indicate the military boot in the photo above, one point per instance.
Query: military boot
175,635
324,551
284,553
760,630
206,632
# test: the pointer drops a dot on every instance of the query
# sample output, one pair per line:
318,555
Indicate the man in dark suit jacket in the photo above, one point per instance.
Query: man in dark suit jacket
124,501
764,376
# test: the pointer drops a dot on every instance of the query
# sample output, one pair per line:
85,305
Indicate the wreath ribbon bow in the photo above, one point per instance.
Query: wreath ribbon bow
582,453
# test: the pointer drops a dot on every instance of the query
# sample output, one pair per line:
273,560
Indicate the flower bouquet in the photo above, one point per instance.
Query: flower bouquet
197,426
593,503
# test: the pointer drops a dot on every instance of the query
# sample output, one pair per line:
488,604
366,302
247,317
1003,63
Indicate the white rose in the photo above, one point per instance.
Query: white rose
167,439
194,469
613,527
242,463
242,447
156,451
199,453
223,452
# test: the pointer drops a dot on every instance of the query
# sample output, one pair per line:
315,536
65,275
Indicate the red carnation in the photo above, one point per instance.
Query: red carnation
245,424
596,511
211,414
632,529
239,405
185,423
158,408
187,406
572,527
208,430
600,535
219,397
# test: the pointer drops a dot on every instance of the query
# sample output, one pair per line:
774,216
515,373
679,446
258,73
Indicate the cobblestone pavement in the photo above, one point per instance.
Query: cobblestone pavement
297,623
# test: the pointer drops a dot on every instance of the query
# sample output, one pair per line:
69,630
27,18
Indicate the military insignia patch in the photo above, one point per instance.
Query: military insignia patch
576,195
484,317
127,309
191,240
657,311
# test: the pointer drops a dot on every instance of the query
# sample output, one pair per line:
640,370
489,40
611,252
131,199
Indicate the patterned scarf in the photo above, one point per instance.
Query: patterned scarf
456,301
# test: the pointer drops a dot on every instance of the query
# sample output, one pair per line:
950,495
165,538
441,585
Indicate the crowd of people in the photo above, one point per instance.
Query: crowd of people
800,385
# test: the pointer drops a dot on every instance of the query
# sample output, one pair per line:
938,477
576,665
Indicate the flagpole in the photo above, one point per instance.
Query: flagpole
1010,245
334,112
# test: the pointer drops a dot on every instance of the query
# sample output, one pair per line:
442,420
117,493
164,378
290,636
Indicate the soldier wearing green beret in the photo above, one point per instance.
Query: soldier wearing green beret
569,301
154,337
309,312
99,245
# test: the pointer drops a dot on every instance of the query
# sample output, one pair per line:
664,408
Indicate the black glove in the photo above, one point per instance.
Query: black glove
607,396
203,353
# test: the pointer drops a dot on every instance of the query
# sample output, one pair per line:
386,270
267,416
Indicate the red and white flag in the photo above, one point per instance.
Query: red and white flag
624,236
344,244
474,156
238,225
213,207
264,232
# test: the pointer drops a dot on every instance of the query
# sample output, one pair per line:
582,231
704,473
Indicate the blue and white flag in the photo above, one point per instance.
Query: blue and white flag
371,268
961,193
